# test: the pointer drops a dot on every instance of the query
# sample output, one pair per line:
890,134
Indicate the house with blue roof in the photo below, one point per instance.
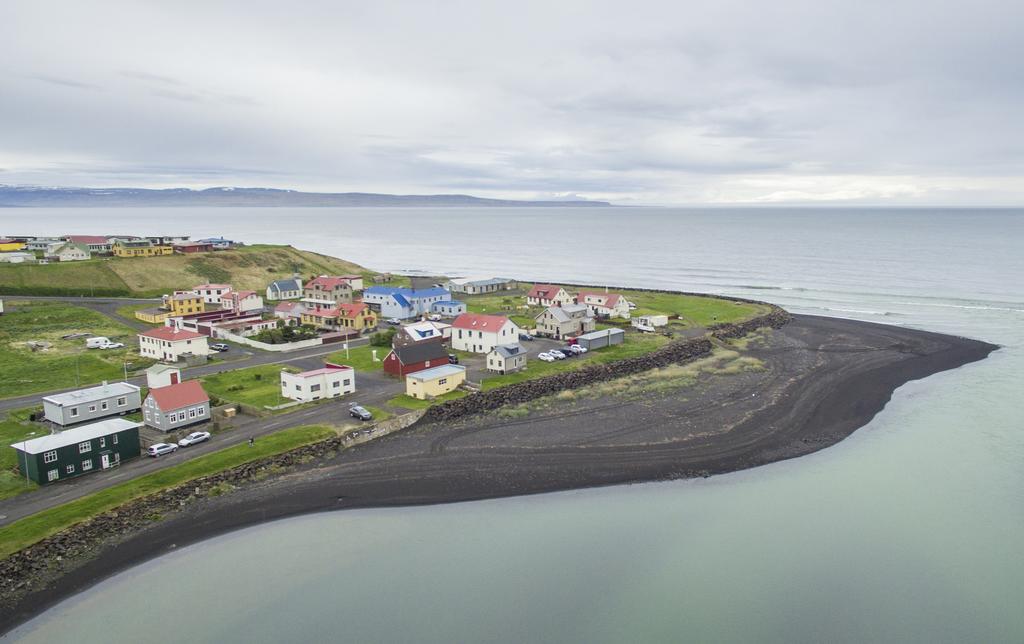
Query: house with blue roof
404,303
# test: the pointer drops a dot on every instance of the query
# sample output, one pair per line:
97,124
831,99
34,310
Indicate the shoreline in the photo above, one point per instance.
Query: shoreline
812,414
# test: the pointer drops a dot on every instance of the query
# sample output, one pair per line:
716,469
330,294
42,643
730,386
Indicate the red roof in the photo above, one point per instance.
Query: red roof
480,322
329,283
183,394
240,295
606,299
543,291
88,239
172,334
211,287
324,313
352,310
287,306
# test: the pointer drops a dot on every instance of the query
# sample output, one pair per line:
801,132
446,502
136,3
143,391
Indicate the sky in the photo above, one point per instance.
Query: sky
821,102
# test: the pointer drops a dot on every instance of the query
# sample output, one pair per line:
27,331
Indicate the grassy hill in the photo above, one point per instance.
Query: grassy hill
250,267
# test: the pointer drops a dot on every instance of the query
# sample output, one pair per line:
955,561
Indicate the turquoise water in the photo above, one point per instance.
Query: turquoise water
910,530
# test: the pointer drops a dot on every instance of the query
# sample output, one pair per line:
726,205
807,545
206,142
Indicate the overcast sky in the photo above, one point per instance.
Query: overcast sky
635,102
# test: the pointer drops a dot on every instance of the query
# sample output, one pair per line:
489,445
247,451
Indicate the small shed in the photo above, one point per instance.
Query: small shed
506,358
601,339
438,381
162,375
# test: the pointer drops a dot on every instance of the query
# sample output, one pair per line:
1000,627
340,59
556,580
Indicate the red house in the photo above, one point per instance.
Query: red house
193,247
405,360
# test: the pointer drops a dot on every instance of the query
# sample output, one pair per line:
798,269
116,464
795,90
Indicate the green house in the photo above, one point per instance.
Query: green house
73,452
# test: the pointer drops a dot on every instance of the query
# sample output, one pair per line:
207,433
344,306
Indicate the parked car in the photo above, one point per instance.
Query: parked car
97,343
526,336
193,438
435,318
577,349
453,359
556,354
220,346
159,449
393,321
360,412
545,357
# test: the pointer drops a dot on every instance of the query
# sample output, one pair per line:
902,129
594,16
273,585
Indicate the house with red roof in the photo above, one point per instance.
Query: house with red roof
331,381
170,344
356,316
548,295
611,305
242,301
402,361
326,292
478,333
176,406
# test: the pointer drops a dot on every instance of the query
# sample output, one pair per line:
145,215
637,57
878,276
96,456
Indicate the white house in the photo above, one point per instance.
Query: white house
289,310
548,295
17,257
611,304
242,301
506,358
479,286
479,333
289,289
68,252
329,382
170,344
162,375
212,293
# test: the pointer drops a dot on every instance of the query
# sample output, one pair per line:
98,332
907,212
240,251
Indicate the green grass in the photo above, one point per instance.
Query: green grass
634,345
505,303
257,386
91,277
378,413
692,309
14,428
29,530
128,310
408,402
67,363
360,358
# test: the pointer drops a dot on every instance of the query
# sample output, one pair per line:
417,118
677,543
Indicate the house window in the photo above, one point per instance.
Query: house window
52,475
173,418
442,381
85,447
103,406
87,465
314,388
147,415
336,384
92,408
115,439
346,382
122,401
74,412
103,441
298,387
50,457
192,413
70,469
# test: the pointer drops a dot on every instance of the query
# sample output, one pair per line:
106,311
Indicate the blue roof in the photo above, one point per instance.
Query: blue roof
407,293
383,290
400,299
431,292
449,303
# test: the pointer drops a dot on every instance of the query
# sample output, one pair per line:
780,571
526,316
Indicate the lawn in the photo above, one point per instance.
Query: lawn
361,358
66,363
91,277
29,530
509,303
408,402
14,428
256,386
128,310
634,345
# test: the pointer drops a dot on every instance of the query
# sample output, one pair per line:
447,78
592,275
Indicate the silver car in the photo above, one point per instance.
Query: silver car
160,449
193,438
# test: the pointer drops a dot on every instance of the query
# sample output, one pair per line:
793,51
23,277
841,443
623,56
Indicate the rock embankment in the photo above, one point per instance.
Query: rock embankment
673,353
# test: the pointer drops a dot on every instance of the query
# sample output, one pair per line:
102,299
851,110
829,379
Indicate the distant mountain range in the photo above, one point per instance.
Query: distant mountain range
38,196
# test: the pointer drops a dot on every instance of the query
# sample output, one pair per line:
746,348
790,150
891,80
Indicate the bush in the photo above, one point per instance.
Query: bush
285,334
382,338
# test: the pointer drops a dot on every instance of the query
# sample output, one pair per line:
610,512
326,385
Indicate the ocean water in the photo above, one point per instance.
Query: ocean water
910,530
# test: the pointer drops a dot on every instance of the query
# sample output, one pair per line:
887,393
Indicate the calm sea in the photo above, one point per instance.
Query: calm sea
911,530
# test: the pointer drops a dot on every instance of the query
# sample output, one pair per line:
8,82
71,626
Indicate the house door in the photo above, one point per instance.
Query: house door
105,461
174,378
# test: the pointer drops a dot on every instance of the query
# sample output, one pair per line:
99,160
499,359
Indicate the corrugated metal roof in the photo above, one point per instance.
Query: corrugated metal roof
74,436
437,372
92,393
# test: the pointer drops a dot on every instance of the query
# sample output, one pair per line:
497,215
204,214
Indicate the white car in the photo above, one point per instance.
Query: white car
435,318
112,345
577,349
545,357
556,354
193,438
160,449
393,321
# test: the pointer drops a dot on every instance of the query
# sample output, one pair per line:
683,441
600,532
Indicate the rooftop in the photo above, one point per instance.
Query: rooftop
327,368
437,372
92,393
480,322
171,334
75,435
180,395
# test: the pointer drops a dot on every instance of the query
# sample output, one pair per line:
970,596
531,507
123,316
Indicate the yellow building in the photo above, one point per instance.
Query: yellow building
438,381
11,244
140,248
357,316
152,316
184,304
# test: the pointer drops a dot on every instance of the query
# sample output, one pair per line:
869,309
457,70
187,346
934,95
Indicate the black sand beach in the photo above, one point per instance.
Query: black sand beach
823,379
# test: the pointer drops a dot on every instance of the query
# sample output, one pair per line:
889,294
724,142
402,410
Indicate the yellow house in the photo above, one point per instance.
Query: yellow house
184,304
356,316
152,316
11,244
438,381
140,248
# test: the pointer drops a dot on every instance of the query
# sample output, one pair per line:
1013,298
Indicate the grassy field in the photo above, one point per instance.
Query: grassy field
635,345
128,310
506,303
249,267
408,402
13,428
29,530
360,358
66,363
256,386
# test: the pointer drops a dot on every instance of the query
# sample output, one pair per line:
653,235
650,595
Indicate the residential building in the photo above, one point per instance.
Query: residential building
176,406
140,248
602,338
68,252
438,381
478,286
154,315
169,344
326,292
480,333
649,323
245,326
331,381
97,244
241,301
184,303
92,403
17,257
507,358
548,295
212,293
610,305
412,358
189,247
10,245
564,321
356,316
289,310
162,375
73,452
289,289
42,243
424,331
404,303
219,243
448,308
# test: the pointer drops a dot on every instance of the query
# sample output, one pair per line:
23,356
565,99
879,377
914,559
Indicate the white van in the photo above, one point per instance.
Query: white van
97,343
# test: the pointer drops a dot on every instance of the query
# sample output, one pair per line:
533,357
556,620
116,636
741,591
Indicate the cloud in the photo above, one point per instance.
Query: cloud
662,102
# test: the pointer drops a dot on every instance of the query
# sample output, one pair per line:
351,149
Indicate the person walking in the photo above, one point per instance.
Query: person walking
252,441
